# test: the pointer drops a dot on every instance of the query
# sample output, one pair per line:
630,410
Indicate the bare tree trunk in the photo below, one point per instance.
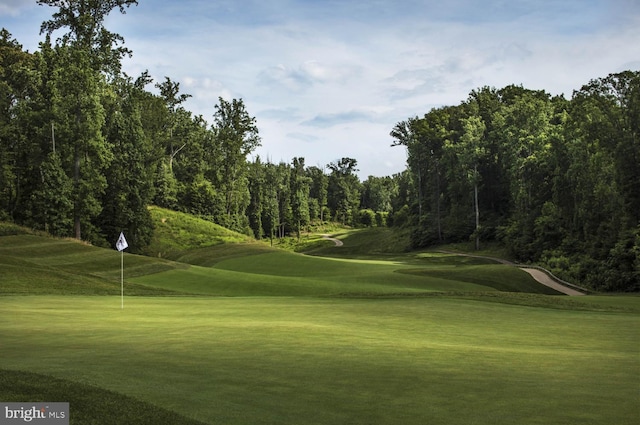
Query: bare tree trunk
76,209
438,203
475,190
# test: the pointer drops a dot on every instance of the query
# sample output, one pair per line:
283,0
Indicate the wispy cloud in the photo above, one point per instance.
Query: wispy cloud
305,137
338,118
287,114
15,7
308,74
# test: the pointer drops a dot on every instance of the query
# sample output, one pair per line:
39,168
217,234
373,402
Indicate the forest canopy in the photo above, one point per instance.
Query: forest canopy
85,149
556,180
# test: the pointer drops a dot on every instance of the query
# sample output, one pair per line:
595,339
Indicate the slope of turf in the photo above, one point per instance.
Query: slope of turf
364,279
176,233
88,404
435,360
363,243
211,255
284,273
31,264
496,276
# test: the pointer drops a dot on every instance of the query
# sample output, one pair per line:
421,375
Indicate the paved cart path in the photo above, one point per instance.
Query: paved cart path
338,242
547,280
539,275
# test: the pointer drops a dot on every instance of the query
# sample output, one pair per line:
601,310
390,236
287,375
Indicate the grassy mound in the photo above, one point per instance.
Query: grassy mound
211,255
31,264
9,229
283,273
177,233
361,243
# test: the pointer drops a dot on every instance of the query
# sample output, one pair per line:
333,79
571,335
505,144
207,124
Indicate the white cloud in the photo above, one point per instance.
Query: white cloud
305,137
15,7
338,118
285,114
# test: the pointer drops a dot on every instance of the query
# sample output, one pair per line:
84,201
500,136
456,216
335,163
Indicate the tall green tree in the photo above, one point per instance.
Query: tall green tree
300,184
84,21
317,192
88,53
175,119
604,150
236,134
405,134
17,87
50,204
257,191
270,205
425,140
377,193
285,211
343,192
79,118
525,126
130,175
472,151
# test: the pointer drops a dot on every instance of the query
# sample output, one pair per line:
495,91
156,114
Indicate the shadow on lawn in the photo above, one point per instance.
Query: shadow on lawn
87,404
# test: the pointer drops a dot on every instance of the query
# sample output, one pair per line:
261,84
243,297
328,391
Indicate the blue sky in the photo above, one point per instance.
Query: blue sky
330,79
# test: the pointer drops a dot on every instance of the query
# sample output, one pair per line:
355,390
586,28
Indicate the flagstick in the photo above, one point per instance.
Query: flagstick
121,245
122,279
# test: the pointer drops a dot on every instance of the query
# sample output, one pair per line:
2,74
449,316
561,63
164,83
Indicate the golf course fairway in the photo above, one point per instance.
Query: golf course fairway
274,337
435,360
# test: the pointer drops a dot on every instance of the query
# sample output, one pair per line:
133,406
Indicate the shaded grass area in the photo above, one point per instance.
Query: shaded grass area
498,277
87,404
212,255
362,243
38,265
11,229
288,274
261,282
32,264
436,360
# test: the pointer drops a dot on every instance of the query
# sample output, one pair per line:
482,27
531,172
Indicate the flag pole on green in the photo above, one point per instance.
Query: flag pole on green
121,245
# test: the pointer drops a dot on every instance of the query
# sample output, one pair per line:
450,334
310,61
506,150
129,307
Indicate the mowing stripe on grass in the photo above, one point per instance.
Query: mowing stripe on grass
258,360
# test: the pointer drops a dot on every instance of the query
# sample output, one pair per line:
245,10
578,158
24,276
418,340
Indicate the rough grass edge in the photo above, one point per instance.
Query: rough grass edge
87,403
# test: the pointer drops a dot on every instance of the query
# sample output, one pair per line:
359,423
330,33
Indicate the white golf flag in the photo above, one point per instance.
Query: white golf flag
122,243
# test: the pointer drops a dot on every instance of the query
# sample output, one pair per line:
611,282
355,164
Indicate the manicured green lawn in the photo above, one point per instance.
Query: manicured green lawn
244,334
38,265
289,274
431,360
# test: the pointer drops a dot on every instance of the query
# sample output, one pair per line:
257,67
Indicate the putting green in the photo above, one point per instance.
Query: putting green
435,360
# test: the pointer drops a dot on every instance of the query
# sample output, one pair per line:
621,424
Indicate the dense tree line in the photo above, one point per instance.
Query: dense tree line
556,180
85,149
